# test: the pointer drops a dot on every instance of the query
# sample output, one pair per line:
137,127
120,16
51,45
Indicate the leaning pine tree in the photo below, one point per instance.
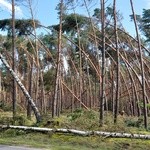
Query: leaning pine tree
142,68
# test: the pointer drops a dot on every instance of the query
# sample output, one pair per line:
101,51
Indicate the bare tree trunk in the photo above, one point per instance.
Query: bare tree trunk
29,99
14,93
57,92
43,94
72,97
80,63
118,67
79,132
142,69
112,90
30,89
129,95
134,85
102,97
89,90
80,71
36,53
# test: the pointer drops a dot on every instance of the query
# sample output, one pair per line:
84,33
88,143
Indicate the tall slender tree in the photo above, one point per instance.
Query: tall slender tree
118,67
14,93
36,51
142,68
102,97
57,93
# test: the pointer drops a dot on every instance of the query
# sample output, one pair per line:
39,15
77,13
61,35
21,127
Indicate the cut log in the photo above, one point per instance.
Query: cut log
80,132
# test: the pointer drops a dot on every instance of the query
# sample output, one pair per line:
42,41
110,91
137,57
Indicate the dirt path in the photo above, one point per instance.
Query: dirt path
5,147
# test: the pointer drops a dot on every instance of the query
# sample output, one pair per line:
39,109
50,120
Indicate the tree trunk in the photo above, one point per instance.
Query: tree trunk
30,89
36,52
80,132
142,69
14,92
118,68
29,99
43,100
57,93
102,97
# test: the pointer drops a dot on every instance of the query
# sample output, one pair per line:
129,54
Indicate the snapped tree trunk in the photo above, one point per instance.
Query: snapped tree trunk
80,132
29,99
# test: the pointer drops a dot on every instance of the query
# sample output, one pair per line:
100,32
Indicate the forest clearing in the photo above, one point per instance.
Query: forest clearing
85,78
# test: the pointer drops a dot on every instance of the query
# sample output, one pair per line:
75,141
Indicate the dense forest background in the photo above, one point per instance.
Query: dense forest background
84,62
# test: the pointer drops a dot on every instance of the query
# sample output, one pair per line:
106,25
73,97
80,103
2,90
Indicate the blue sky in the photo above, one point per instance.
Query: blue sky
44,10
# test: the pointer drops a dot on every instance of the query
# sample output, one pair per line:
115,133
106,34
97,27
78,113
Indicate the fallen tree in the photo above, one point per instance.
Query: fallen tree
79,132
22,87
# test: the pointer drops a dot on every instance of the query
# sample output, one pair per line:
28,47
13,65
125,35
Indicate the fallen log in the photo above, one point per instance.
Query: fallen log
79,132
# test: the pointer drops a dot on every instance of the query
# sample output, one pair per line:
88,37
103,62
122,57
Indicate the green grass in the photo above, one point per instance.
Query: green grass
82,120
70,142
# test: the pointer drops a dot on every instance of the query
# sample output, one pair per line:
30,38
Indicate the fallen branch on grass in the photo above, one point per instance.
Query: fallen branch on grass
79,132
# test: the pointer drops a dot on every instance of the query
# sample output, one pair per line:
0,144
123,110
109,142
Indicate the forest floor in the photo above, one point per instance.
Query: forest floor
70,142
81,120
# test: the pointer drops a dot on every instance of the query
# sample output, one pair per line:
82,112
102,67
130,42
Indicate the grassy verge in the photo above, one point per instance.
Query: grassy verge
82,120
69,142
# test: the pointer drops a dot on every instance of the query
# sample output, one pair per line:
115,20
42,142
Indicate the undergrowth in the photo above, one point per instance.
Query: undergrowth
69,142
79,119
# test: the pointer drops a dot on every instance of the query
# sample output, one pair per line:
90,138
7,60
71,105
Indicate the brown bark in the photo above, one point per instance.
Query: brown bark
30,89
102,97
57,93
14,92
118,67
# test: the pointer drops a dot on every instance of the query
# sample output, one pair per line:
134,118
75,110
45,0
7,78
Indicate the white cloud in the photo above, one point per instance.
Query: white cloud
5,5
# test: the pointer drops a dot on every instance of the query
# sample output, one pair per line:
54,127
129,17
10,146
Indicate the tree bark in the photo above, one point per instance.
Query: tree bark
25,92
102,97
30,89
118,67
80,132
142,69
14,90
57,92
